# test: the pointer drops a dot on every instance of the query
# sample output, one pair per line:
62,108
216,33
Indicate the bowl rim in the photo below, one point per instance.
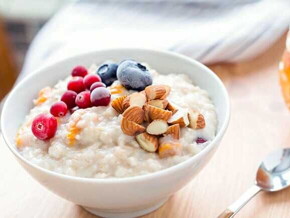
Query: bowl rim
137,178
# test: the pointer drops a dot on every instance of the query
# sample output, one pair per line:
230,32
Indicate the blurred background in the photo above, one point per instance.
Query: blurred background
20,20
211,31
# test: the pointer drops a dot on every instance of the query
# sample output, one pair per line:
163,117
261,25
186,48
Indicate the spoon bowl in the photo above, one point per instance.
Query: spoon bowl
272,175
274,172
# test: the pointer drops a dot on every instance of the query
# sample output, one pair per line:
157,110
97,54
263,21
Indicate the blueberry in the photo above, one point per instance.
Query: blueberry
133,75
108,73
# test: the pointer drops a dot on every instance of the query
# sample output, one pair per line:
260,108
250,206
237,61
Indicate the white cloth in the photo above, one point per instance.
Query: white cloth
209,30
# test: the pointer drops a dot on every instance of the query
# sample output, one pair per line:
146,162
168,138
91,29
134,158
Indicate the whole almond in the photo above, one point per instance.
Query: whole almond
157,127
157,91
131,128
135,114
173,131
147,142
117,104
158,103
156,113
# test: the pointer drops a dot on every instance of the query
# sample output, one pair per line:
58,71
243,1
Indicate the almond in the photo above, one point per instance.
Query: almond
126,103
157,91
137,99
174,131
180,117
117,104
131,128
147,142
156,113
146,116
157,127
169,148
196,120
171,107
135,114
159,103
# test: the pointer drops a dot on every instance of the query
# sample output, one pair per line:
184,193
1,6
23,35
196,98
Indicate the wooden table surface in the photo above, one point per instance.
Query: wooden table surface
260,123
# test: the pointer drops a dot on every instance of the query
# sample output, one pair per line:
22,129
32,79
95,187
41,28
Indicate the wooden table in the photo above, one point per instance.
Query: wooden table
260,123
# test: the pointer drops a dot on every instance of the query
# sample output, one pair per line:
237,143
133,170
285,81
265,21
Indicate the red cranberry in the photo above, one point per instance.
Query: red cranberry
79,71
200,140
83,99
76,84
58,109
90,79
44,126
97,85
69,98
100,97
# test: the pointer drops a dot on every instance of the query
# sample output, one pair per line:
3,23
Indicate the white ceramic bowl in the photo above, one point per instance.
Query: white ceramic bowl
116,197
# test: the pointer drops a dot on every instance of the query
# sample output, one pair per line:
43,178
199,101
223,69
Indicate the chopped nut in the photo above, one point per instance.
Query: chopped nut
157,127
180,117
156,113
169,148
131,128
171,107
158,103
196,120
157,91
137,99
147,142
173,131
126,103
117,104
135,114
146,116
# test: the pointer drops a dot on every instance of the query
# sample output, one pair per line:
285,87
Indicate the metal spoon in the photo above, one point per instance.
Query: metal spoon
272,175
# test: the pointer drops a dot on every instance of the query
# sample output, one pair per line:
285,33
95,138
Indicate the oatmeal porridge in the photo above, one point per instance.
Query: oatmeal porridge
123,121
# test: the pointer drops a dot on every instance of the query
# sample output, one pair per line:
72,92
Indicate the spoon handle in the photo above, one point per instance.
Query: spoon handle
242,201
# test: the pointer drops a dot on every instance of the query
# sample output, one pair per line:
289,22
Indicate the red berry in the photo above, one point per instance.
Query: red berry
83,99
97,85
90,79
58,109
79,71
200,140
69,98
100,97
44,126
76,84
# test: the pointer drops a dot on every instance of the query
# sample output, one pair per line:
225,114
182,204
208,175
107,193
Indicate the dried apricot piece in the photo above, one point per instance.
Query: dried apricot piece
71,136
42,96
18,141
